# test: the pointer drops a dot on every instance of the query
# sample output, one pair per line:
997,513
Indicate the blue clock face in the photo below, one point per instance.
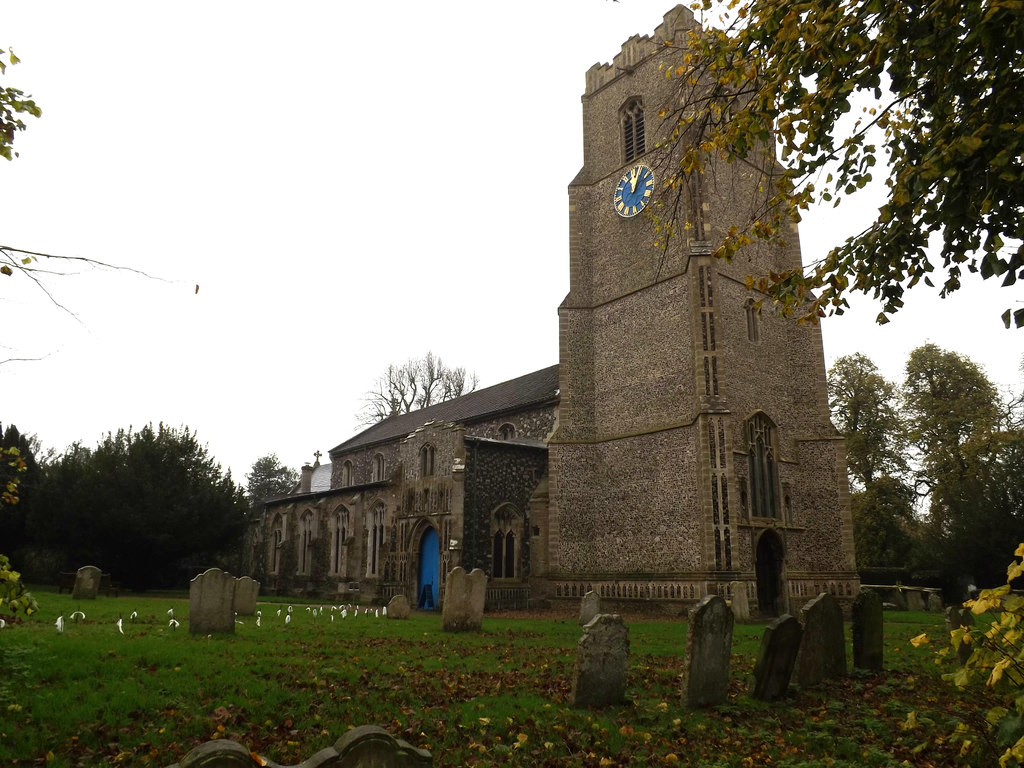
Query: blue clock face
634,191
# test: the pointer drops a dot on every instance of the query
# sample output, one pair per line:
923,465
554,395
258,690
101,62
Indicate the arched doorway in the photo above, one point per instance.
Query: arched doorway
430,556
768,566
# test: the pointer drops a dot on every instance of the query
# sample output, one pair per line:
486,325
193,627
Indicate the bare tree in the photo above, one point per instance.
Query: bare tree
416,383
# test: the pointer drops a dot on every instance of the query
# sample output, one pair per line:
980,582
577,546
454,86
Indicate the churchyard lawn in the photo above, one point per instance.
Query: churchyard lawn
92,696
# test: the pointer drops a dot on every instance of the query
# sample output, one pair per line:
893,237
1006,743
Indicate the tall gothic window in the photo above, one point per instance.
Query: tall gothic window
346,474
378,468
426,460
277,539
339,534
762,466
375,539
504,553
633,129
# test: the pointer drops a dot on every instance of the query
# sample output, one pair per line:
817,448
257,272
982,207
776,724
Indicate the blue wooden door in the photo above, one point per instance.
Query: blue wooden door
430,556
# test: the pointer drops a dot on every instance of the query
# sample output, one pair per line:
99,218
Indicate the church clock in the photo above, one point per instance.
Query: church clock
634,191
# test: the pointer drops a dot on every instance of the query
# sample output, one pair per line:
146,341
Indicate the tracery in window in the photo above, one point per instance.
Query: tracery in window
375,538
762,466
306,542
378,468
507,530
507,431
276,538
633,129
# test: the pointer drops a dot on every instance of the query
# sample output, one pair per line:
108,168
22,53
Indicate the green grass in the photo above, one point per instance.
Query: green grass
92,697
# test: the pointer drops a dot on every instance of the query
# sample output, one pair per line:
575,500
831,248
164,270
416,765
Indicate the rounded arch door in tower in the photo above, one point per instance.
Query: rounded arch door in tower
769,561
430,563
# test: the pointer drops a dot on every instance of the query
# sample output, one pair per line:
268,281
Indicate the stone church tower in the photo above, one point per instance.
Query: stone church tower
693,452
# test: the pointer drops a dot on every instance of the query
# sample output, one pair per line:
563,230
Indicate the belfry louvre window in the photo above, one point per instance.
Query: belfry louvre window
633,129
762,466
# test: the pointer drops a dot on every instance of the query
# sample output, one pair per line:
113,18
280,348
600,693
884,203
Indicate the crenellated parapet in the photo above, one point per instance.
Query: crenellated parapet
639,47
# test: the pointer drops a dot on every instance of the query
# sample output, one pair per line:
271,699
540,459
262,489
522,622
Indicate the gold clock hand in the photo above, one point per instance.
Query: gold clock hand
634,176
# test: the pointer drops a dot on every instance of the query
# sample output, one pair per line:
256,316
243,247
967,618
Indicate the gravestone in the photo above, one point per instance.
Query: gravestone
822,653
957,617
708,646
398,607
246,592
776,658
367,746
867,631
602,658
464,595
590,606
740,601
915,600
87,583
211,603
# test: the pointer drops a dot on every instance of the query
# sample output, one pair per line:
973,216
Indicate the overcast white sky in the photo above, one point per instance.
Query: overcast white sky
349,184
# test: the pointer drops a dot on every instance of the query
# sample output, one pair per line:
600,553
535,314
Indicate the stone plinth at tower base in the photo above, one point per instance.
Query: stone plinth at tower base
211,603
602,658
365,747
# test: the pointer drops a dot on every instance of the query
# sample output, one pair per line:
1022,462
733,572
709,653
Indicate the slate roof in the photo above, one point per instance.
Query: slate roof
533,389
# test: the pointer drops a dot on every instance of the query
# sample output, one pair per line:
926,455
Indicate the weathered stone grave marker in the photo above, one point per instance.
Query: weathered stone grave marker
708,646
464,595
211,603
590,606
602,658
867,631
823,645
915,600
740,601
398,607
87,583
776,658
367,746
247,590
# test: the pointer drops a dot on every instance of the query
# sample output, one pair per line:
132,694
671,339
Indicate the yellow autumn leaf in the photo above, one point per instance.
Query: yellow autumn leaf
920,640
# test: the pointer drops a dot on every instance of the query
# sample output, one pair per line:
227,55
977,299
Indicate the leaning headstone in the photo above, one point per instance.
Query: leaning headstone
957,617
776,658
398,607
915,600
823,646
602,658
708,647
464,595
87,583
867,631
590,606
211,603
246,592
740,601
367,746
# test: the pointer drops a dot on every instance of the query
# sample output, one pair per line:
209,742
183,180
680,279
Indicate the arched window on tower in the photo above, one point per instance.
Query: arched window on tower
633,129
753,321
378,468
346,474
762,466
427,460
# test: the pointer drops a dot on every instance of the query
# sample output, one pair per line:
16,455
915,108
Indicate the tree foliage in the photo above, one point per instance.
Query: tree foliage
417,383
840,88
13,104
865,409
13,595
141,505
269,477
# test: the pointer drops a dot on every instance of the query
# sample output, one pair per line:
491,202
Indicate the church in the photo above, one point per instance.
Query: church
681,447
